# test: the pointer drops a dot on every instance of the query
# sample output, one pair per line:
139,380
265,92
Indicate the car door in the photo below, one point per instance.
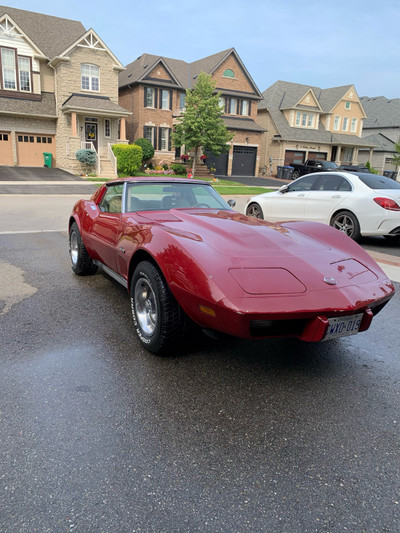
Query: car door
325,197
290,204
106,226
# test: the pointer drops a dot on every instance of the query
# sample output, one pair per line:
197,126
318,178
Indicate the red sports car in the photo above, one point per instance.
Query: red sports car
186,256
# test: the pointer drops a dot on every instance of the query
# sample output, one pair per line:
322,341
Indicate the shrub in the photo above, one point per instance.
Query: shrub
165,166
147,148
178,168
129,158
371,168
88,157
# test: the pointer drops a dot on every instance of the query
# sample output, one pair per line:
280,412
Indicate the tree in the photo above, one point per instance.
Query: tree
396,158
201,125
147,148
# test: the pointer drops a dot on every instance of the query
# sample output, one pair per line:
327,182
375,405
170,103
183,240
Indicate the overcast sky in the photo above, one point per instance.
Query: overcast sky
314,42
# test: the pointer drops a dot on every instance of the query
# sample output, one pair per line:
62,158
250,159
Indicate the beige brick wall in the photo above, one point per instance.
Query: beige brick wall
46,78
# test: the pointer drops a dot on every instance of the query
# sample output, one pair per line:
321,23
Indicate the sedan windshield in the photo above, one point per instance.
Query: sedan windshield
375,181
163,196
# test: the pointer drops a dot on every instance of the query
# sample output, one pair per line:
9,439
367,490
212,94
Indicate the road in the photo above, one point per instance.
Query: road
231,436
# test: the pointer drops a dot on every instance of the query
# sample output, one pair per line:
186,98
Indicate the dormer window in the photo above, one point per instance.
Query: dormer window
90,77
305,120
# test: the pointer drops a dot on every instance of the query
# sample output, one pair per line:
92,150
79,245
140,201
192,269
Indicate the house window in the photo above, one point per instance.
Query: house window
232,106
347,105
8,69
345,126
148,134
336,123
90,77
164,138
353,127
298,118
107,127
245,107
304,120
149,97
222,102
228,73
165,99
24,68
182,97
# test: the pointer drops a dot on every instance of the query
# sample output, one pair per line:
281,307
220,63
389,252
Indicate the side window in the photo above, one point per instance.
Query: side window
328,183
112,199
344,185
302,184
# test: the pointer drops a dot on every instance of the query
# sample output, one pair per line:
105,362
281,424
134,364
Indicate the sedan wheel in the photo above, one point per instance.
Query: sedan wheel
254,210
160,322
347,223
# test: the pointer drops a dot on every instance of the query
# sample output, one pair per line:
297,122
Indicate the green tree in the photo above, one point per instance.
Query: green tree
146,146
396,158
201,125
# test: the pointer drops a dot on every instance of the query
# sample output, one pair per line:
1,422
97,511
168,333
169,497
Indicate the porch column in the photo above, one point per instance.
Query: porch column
338,154
74,132
355,157
122,132
371,151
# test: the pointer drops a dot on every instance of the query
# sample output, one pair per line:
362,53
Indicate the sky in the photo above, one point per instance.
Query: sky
313,42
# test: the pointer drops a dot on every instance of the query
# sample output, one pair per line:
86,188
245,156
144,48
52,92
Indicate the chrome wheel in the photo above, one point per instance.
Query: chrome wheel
73,248
145,306
347,223
254,210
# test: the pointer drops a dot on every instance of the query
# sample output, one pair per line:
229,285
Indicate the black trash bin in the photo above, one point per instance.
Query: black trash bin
47,159
279,172
288,172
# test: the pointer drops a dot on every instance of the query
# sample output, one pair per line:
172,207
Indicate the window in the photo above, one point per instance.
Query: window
345,123
353,127
24,68
8,68
304,120
232,106
347,105
228,73
90,77
107,128
149,97
112,200
164,139
298,118
148,133
245,108
182,97
165,99
336,123
222,102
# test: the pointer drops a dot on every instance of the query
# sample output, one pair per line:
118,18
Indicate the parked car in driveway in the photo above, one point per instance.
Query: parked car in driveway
355,203
312,165
186,257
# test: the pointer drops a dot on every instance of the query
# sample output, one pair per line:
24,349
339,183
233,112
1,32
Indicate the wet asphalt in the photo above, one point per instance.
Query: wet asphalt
98,435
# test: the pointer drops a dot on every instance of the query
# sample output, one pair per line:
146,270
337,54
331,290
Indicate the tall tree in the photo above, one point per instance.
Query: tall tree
201,125
396,158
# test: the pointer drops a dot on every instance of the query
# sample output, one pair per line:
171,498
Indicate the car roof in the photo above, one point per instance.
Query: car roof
166,179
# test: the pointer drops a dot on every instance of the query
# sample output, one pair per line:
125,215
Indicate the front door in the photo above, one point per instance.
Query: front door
91,133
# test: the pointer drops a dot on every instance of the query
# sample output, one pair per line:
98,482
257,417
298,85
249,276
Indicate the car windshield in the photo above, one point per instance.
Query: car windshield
163,196
330,164
375,181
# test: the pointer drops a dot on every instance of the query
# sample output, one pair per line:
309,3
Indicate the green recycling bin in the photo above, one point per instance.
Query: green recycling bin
47,159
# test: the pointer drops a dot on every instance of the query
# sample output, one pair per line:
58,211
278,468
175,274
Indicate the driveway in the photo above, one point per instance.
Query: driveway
35,174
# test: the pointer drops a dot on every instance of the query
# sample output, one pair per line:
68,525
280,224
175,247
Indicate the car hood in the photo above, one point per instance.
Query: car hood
233,234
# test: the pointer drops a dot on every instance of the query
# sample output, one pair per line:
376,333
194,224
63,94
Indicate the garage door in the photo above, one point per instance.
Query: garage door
6,157
244,160
30,148
321,156
294,156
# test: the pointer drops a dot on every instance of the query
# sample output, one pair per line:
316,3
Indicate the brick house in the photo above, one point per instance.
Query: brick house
58,92
382,127
304,122
153,88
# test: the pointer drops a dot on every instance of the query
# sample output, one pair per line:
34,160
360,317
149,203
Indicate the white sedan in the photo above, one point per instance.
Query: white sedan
353,202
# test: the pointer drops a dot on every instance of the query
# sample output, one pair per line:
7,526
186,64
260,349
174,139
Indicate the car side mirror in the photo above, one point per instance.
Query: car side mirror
231,202
284,189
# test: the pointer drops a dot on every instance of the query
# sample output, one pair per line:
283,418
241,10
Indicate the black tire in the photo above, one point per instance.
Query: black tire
347,223
81,261
254,210
295,175
160,322
392,238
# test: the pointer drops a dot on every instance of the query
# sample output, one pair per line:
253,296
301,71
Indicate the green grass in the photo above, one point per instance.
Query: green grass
242,189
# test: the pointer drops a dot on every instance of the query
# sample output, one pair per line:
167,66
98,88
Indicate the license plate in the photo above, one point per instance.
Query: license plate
342,326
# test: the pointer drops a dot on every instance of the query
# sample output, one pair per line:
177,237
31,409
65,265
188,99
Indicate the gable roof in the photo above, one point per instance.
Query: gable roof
284,95
381,112
383,143
52,35
183,74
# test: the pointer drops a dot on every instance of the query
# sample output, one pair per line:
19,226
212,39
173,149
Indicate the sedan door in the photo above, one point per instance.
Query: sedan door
290,204
328,193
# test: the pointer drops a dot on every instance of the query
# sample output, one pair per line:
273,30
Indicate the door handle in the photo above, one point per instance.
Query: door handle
337,196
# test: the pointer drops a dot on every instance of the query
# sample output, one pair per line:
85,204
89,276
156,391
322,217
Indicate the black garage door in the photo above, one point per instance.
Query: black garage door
219,162
244,160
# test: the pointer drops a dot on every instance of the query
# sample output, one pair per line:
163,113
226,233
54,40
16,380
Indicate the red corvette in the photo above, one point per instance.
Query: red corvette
186,256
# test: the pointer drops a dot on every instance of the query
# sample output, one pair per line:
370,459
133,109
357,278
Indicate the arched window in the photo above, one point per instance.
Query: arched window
229,73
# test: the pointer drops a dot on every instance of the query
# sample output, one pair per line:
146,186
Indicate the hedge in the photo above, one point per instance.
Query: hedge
129,158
